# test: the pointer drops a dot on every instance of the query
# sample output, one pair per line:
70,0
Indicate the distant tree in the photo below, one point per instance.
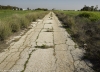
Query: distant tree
21,9
0,7
28,8
18,8
53,9
44,9
96,8
92,8
14,8
9,7
87,8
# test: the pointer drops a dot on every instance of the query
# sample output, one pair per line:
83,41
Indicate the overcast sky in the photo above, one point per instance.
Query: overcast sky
57,4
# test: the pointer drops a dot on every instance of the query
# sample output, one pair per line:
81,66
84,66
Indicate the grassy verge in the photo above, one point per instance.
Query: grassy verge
84,27
13,21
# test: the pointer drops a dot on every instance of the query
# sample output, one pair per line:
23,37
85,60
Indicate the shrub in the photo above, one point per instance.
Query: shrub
24,22
32,16
5,31
14,25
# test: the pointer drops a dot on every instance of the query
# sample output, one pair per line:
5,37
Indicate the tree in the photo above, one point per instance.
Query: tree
87,8
28,8
14,8
92,8
96,8
21,9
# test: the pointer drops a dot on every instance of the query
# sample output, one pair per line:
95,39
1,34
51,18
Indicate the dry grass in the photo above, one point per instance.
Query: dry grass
84,29
16,22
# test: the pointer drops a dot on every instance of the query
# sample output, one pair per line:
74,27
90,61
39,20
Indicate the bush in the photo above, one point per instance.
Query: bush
5,31
24,22
15,26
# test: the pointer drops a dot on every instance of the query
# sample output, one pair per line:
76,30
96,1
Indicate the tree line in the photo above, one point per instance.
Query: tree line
44,9
91,8
8,7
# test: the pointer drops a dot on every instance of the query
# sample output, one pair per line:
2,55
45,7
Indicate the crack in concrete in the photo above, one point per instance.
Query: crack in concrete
20,47
73,61
8,62
21,37
54,52
32,50
27,60
24,48
40,31
60,43
4,59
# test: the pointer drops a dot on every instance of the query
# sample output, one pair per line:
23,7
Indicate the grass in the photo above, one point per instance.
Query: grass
13,21
94,15
49,30
84,28
43,46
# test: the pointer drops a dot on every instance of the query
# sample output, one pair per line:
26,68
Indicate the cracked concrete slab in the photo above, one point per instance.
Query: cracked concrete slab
42,51
41,60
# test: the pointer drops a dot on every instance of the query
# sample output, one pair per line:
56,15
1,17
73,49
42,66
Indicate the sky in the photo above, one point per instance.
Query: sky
57,4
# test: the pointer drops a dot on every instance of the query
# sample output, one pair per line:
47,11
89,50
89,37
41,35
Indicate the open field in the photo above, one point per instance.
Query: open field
9,13
84,28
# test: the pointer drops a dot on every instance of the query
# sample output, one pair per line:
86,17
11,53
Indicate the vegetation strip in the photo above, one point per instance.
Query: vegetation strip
17,21
84,28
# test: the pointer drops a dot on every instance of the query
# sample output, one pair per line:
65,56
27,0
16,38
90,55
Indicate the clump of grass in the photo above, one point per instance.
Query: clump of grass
43,46
5,31
24,22
49,23
31,17
49,30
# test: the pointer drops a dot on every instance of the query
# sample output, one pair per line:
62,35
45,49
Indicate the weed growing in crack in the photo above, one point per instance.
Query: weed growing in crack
49,30
49,23
27,60
75,46
43,46
54,53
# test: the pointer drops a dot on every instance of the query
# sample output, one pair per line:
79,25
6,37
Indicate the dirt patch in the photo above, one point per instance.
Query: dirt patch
3,46
13,38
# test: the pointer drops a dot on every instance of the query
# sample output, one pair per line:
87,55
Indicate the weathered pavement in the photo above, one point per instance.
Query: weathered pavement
47,47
